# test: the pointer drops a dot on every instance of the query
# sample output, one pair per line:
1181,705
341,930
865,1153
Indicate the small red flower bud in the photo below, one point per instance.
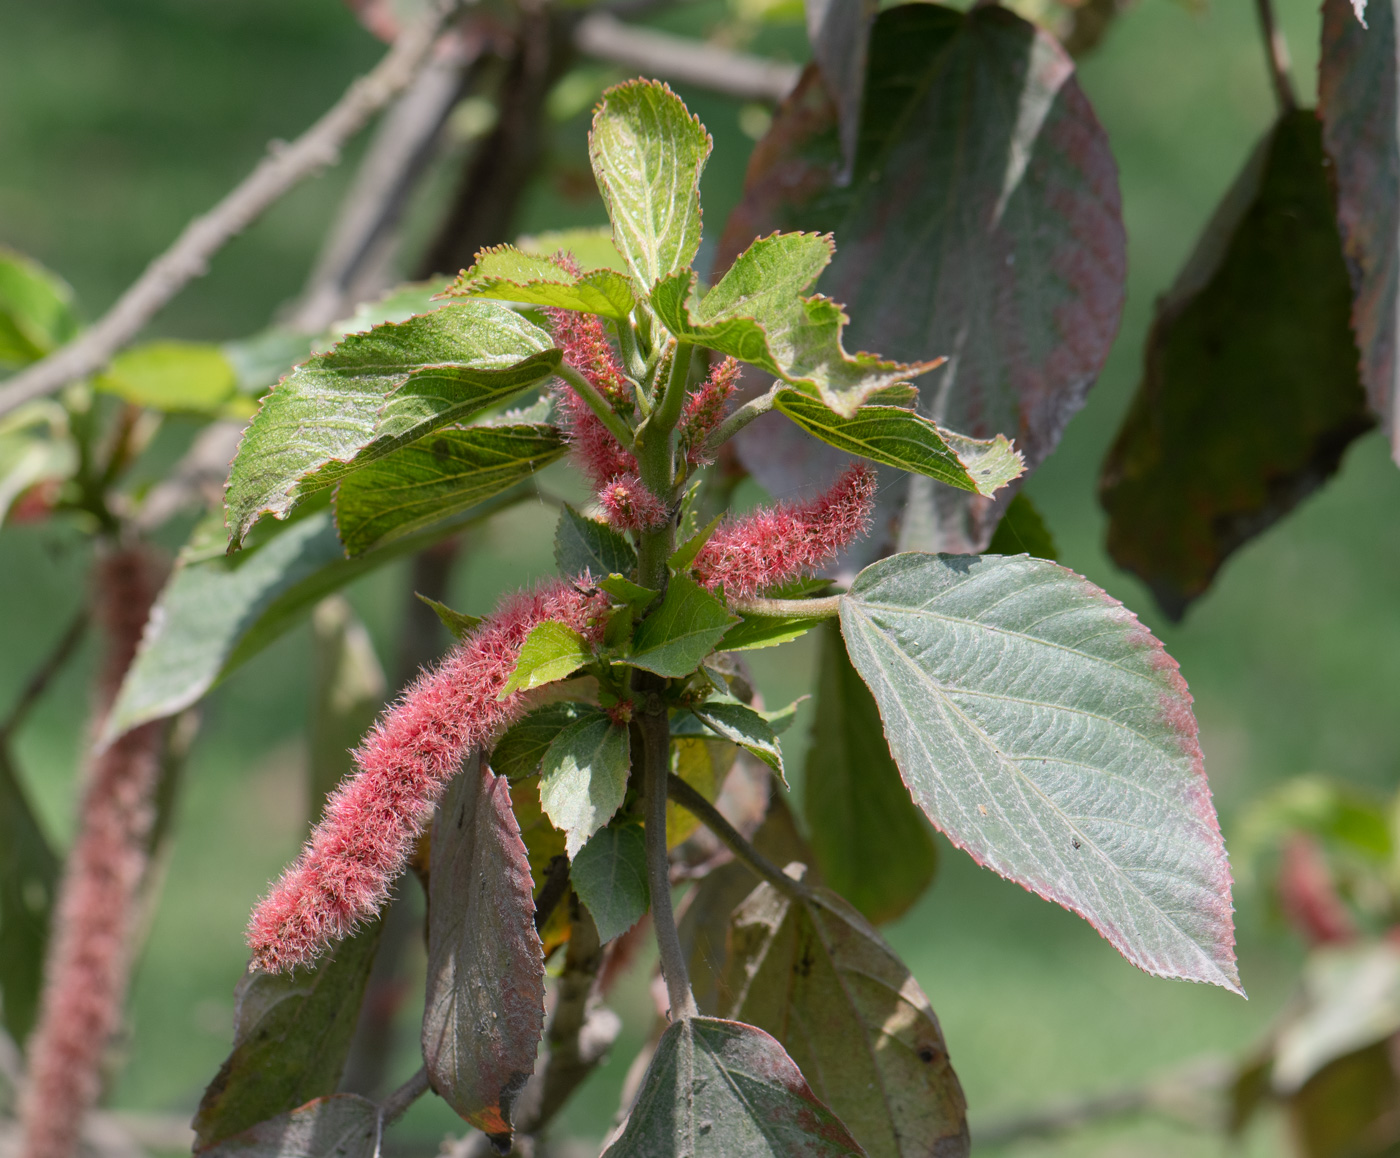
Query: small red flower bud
630,506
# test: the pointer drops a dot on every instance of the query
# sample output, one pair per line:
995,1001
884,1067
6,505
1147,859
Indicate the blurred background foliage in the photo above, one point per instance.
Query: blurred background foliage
119,122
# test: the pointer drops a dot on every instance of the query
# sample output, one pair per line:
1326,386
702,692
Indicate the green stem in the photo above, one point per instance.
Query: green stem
631,354
741,418
598,404
826,608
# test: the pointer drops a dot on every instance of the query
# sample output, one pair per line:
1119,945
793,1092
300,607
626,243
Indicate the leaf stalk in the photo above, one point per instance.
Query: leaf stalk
598,404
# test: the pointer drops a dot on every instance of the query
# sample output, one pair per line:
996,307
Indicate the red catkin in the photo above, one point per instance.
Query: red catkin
630,506
371,821
88,954
705,409
775,544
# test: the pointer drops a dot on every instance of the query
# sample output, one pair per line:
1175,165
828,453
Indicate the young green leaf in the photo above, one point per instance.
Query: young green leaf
291,1036
340,1126
36,310
684,555
519,752
505,273
820,979
1022,531
583,544
610,876
483,1013
741,725
1040,726
180,377
28,883
375,392
458,623
629,594
438,476
583,777
551,652
647,153
719,1089
674,638
871,843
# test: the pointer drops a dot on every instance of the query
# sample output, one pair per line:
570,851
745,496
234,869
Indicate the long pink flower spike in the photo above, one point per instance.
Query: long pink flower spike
372,820
775,544
88,955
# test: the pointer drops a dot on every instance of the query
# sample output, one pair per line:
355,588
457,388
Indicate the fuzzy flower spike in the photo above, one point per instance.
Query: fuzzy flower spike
373,819
776,544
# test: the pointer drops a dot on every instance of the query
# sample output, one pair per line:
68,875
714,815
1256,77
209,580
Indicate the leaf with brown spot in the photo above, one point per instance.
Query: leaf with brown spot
484,1008
1250,392
818,977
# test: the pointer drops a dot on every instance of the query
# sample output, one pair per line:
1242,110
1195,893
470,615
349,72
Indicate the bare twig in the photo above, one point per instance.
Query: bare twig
397,1103
40,680
556,885
284,167
686,61
1276,57
711,817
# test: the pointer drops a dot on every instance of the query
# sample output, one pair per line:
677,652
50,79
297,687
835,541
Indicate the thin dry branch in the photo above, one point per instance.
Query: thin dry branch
285,166
1276,57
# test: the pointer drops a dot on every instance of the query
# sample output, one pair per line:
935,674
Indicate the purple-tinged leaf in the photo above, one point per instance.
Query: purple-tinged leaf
484,1008
1043,729
341,1126
1359,102
719,1089
839,32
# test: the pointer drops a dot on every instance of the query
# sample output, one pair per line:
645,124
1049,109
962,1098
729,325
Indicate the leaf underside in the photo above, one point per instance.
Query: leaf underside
505,273
341,1126
1044,730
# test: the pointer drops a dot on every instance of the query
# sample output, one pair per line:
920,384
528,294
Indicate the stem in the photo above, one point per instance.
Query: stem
598,404
656,439
397,1103
1276,57
741,418
631,354
711,817
556,886
825,608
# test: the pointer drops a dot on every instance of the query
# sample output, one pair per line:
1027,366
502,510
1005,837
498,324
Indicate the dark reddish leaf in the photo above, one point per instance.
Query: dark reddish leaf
1250,393
1359,102
343,1126
839,31
484,1008
1351,1108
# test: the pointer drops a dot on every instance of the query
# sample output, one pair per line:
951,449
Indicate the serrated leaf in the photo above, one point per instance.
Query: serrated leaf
647,152
458,623
1250,392
36,310
519,752
28,883
755,631
1041,727
741,725
871,842
1358,98
438,476
292,1033
682,631
583,777
982,220
905,439
629,594
583,544
484,1008
610,876
719,1089
505,273
550,652
377,391
758,314
341,1126
179,377
1022,531
852,1017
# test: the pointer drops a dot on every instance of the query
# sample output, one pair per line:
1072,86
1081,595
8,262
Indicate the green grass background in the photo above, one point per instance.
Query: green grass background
120,121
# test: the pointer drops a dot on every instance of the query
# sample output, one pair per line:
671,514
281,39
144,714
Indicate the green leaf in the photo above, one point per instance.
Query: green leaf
519,752
28,883
551,652
341,1126
674,638
684,555
440,475
610,876
583,544
983,220
871,842
375,392
458,623
755,631
1043,729
483,1012
505,273
757,313
398,305
188,377
36,446
591,246
647,153
852,1017
907,440
583,777
741,725
1022,532
292,1034
36,310
1250,393
629,594
1358,79
719,1089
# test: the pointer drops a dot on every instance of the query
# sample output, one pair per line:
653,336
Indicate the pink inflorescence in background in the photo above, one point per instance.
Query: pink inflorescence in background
371,822
776,544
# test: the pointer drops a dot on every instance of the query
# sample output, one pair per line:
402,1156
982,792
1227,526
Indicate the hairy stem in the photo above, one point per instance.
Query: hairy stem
598,404
826,608
741,418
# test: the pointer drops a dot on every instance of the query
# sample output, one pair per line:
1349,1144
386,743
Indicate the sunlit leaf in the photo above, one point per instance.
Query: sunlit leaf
550,652
505,273
519,752
741,725
682,631
609,873
36,310
458,623
583,777
174,376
